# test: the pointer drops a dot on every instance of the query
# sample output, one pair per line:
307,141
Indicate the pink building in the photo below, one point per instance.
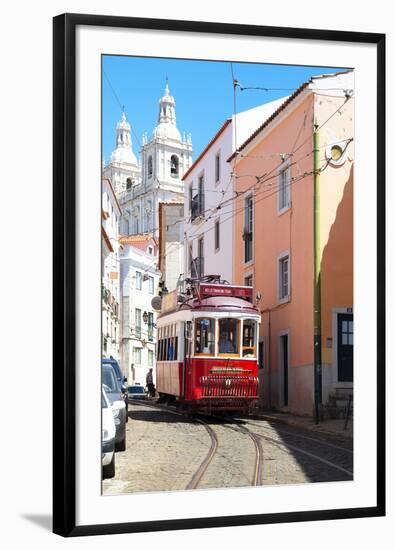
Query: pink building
274,234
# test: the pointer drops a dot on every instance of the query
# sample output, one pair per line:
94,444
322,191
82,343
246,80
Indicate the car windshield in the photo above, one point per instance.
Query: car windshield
109,380
116,368
135,389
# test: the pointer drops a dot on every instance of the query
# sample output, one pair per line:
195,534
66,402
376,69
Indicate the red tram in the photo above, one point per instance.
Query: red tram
207,347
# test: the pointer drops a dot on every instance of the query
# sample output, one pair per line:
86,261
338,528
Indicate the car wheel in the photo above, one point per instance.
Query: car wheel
109,470
121,446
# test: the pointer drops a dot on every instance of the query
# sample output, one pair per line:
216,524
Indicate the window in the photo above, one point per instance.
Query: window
150,285
347,331
149,166
190,197
283,281
138,280
228,342
174,166
248,228
204,336
150,358
284,189
217,167
129,183
216,235
248,280
150,326
137,223
190,258
200,259
201,194
137,356
150,250
249,335
197,209
138,322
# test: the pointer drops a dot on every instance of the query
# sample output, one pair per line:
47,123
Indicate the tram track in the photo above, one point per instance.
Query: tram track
257,437
198,475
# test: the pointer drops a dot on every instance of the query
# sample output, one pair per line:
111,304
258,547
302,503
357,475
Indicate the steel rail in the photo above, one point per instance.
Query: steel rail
198,475
257,476
315,439
307,453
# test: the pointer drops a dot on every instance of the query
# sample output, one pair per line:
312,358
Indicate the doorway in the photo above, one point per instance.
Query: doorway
345,347
284,367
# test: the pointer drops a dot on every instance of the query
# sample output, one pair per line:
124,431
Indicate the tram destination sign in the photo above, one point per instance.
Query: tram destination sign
206,290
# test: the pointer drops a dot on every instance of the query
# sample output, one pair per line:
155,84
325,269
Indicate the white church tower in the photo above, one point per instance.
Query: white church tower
165,158
123,170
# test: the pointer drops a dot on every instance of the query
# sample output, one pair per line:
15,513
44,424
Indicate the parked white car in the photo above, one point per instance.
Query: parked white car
108,438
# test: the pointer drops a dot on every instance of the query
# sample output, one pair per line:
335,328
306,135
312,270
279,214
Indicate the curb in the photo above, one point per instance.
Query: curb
288,422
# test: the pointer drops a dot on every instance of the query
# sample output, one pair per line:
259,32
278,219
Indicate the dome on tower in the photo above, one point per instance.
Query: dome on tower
123,154
166,128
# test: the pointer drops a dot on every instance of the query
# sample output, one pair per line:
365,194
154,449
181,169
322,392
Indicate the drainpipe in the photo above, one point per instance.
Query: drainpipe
269,361
317,279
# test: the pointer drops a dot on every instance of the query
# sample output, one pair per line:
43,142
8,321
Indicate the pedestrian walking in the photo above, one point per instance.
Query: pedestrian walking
150,383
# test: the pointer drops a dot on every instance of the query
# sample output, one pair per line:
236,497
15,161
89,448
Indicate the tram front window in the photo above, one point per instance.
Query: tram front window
204,336
249,346
228,336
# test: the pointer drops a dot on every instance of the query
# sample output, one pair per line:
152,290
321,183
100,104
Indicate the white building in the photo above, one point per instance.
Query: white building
111,215
171,242
208,196
165,157
139,284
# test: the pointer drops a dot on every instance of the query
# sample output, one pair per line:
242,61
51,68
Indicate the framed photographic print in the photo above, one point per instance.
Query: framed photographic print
219,231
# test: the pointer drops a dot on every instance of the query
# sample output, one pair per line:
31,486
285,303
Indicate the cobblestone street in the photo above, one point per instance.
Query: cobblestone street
164,450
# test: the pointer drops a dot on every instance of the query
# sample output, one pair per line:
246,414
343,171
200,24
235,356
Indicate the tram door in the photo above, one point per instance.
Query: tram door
187,354
345,347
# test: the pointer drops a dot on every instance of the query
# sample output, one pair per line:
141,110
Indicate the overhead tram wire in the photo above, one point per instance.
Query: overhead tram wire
121,105
273,190
221,203
260,179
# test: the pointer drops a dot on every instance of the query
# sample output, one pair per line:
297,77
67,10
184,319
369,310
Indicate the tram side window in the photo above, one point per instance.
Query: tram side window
172,349
249,345
228,336
204,336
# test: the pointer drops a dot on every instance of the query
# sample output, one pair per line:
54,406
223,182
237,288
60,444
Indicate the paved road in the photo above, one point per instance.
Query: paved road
164,450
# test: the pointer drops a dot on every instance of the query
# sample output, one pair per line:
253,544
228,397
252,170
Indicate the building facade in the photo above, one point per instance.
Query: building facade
165,157
139,284
111,215
294,237
171,243
208,197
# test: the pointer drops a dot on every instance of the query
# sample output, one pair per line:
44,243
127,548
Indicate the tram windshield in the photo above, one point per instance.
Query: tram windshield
228,341
204,336
249,345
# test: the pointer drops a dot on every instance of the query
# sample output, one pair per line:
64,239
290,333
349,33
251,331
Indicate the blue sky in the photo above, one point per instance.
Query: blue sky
202,90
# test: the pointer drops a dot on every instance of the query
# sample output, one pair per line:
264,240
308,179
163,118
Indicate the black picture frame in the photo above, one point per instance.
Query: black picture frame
64,273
